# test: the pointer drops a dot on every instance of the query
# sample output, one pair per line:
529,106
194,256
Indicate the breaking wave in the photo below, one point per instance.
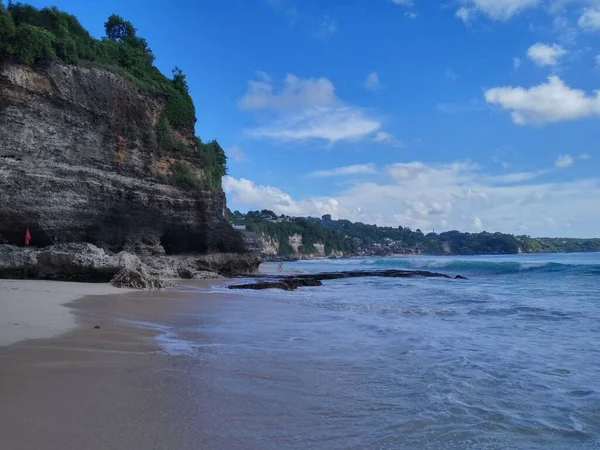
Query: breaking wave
463,265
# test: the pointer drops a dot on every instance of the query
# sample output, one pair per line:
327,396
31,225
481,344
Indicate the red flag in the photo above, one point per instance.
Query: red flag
27,237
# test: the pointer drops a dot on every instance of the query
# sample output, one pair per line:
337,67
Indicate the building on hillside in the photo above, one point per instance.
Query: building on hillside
251,241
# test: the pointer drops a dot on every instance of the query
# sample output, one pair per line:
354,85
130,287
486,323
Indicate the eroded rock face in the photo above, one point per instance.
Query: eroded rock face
87,263
200,266
134,279
78,163
65,262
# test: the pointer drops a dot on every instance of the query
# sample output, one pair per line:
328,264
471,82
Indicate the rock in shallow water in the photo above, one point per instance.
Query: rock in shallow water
289,284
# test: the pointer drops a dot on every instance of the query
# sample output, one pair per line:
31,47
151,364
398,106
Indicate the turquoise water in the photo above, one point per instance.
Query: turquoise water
508,359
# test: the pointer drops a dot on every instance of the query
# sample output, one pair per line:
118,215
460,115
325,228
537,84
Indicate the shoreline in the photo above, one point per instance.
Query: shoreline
37,309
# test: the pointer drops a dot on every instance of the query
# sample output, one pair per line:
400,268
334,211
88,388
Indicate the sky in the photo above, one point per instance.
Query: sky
461,114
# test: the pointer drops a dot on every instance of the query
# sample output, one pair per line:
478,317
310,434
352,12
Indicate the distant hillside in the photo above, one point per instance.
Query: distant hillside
310,236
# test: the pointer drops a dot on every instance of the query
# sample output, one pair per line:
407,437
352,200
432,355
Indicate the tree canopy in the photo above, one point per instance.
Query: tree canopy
362,239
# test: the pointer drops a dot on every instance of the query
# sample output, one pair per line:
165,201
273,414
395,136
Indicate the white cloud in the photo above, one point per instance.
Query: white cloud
331,124
295,93
355,169
246,193
403,2
304,109
477,224
564,161
515,177
236,153
421,174
371,82
500,9
549,102
411,15
516,63
456,195
384,137
465,14
584,156
590,19
545,54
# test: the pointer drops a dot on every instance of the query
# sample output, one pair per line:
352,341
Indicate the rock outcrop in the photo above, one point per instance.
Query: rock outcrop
88,263
65,262
289,284
134,279
79,163
199,266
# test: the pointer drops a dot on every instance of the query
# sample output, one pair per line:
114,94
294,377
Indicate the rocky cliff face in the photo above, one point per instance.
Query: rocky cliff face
78,163
269,245
270,248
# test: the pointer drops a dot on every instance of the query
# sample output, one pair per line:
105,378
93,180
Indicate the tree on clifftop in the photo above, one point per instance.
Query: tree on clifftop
119,29
180,81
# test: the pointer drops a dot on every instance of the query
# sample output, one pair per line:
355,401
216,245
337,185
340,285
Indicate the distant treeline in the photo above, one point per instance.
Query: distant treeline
355,238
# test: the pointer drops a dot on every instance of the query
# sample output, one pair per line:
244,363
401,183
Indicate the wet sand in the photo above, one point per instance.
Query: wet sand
107,388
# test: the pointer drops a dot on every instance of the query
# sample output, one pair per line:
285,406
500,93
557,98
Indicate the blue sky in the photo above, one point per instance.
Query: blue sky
463,114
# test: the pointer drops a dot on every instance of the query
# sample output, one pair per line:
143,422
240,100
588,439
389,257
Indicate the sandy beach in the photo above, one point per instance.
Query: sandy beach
65,384
35,309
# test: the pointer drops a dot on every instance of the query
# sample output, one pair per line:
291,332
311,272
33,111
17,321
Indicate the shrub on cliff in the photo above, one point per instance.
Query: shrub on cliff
7,33
184,177
33,45
214,160
179,109
166,142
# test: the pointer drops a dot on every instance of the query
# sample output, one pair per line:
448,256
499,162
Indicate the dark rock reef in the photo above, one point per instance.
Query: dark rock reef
286,284
292,282
78,163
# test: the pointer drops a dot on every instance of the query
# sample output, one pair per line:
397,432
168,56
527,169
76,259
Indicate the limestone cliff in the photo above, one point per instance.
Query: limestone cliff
78,163
270,248
269,245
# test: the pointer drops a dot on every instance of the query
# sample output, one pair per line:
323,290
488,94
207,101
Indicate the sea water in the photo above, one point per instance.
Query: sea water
507,359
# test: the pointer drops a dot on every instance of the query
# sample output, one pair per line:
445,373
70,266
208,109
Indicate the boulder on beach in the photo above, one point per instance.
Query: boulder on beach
135,279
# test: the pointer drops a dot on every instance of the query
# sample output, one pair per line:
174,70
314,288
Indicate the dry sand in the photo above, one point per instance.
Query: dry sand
35,309
98,389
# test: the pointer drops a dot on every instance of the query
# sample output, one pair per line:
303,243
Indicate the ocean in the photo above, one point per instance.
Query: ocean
507,359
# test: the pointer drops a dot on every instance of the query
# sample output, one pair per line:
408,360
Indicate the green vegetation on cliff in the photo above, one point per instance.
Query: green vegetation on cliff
312,233
33,36
357,238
